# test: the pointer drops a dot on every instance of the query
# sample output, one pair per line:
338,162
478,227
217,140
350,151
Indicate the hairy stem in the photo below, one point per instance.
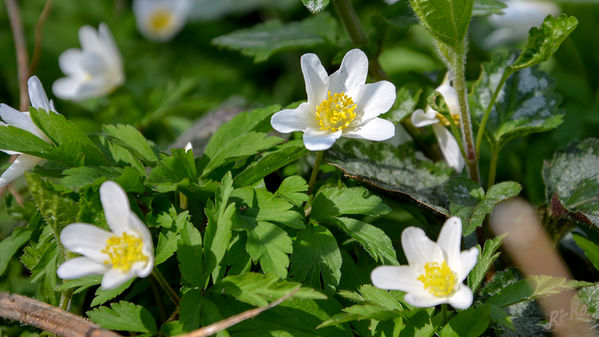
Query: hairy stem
493,165
170,292
483,122
315,170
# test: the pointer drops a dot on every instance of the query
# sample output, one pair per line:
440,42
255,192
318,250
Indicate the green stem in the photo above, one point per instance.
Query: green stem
444,313
483,122
493,165
183,203
315,170
172,294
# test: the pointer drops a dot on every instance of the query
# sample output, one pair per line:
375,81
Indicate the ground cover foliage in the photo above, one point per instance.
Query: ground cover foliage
245,215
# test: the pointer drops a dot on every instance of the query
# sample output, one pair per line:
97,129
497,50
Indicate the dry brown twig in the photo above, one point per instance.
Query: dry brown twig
37,49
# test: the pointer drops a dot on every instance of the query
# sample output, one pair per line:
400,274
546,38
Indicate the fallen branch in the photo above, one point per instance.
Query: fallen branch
49,318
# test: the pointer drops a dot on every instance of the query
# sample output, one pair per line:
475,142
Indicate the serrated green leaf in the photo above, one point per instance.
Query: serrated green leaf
373,239
130,138
56,209
486,257
399,171
10,245
105,295
80,283
41,258
315,6
15,139
471,322
270,245
572,183
334,201
189,254
123,316
265,39
257,204
590,249
446,20
174,172
316,257
544,41
83,176
293,189
167,245
190,310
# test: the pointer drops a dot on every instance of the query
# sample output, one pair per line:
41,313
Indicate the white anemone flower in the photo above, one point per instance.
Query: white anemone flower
22,120
95,70
160,20
436,270
447,142
517,19
121,254
339,105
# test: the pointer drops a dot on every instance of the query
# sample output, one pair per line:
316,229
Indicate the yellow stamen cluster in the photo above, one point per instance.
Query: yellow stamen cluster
438,280
336,112
445,121
123,251
160,20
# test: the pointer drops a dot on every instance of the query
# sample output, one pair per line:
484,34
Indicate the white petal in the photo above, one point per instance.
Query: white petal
89,40
79,267
85,239
290,120
112,52
37,95
449,240
66,87
450,95
145,9
20,120
462,298
449,148
373,99
70,61
96,87
419,249
421,118
351,73
23,163
396,278
315,77
423,300
114,278
319,141
116,206
468,260
376,129
147,245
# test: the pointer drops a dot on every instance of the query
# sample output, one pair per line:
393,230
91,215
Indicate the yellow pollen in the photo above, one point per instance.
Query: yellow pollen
445,121
123,251
438,280
160,20
336,112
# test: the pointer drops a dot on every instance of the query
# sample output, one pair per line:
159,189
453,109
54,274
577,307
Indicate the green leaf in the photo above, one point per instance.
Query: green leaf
471,322
373,239
190,309
316,257
446,20
315,6
83,176
81,284
56,209
469,202
10,245
269,162
488,7
189,254
544,41
174,172
590,249
486,257
526,104
265,39
406,101
130,138
257,204
399,171
105,295
167,244
41,258
572,183
261,289
15,139
334,201
270,245
293,189
123,316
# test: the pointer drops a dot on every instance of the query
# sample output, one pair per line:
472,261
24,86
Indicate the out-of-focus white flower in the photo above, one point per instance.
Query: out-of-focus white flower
447,142
22,120
120,255
92,71
160,20
188,147
517,19
339,105
436,270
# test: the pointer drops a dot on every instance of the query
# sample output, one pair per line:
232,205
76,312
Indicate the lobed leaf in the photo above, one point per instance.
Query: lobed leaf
446,20
486,257
334,201
124,316
130,138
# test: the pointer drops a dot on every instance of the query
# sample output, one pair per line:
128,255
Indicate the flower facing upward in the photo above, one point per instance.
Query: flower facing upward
339,105
160,20
447,142
92,71
436,270
120,255
22,120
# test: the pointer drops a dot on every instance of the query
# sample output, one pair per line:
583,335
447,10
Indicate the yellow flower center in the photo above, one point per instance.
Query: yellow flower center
160,20
438,280
123,251
336,112
445,121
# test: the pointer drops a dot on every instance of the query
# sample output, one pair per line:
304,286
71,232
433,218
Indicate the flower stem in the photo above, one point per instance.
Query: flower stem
170,292
315,170
444,313
493,165
483,122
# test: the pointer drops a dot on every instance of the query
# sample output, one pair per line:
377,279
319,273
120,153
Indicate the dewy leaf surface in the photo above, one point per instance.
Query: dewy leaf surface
315,6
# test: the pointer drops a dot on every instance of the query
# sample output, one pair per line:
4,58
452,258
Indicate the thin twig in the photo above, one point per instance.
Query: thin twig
37,49
16,26
49,318
226,323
